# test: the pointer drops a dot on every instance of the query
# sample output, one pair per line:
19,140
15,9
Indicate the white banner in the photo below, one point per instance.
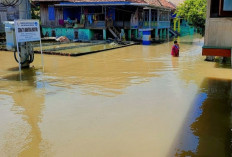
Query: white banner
27,30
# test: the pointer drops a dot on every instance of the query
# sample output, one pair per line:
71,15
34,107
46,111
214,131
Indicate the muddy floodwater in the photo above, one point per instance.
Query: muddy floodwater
136,101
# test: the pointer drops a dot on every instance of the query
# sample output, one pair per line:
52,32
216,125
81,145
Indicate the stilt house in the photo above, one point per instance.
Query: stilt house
103,19
218,30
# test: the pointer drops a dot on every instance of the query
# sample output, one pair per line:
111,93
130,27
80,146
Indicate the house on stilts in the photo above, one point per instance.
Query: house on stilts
218,30
103,19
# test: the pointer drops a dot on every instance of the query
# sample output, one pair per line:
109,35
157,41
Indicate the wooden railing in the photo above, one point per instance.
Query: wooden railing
155,24
96,24
164,24
123,24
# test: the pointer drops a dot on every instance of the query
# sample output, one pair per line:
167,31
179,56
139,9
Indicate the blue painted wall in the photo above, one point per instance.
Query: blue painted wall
85,34
111,13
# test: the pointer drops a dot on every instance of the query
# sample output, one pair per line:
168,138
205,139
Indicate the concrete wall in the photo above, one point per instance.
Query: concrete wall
218,31
186,29
82,34
85,34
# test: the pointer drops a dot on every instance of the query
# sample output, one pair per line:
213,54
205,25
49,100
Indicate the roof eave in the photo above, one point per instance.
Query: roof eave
101,4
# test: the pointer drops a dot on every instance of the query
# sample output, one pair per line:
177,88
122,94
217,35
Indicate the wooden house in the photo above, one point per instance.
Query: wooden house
218,30
103,19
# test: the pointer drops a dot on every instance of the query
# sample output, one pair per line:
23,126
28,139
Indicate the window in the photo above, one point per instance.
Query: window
146,16
154,15
221,8
163,16
227,6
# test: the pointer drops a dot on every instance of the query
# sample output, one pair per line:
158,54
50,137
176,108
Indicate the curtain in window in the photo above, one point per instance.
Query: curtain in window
51,12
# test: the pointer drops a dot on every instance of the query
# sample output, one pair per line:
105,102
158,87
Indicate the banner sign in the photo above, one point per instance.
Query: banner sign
27,30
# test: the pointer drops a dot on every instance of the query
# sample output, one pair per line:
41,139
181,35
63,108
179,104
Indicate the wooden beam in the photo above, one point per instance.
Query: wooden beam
216,52
149,18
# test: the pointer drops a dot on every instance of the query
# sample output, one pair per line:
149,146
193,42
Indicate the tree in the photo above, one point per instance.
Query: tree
35,11
194,11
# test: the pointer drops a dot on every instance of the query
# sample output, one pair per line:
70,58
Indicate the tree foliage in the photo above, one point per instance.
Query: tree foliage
194,11
35,11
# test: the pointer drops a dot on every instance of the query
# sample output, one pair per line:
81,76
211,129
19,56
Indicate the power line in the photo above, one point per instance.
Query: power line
10,3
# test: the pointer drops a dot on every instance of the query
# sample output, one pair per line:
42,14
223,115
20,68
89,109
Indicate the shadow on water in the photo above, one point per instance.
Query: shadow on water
13,69
26,75
207,128
223,63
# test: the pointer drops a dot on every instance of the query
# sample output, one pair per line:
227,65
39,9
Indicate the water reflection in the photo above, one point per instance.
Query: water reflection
210,125
126,102
175,63
108,73
23,138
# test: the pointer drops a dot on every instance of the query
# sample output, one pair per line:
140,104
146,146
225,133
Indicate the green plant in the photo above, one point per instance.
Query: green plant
194,11
35,11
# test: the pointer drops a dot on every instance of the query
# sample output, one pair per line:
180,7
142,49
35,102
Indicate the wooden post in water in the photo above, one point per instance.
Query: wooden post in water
165,33
161,33
129,34
149,18
231,58
157,27
156,34
104,34
136,33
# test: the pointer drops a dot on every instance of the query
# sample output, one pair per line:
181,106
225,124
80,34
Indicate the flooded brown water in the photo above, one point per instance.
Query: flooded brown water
129,102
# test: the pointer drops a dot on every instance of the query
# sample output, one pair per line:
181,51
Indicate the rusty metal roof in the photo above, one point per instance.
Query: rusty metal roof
158,3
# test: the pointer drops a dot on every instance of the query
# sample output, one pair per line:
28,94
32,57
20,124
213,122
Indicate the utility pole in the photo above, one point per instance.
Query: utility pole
25,10
20,7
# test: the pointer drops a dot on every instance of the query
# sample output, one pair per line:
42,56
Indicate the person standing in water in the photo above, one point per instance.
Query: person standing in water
175,49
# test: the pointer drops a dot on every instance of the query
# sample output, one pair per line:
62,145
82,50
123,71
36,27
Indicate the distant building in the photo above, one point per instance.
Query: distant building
103,19
218,30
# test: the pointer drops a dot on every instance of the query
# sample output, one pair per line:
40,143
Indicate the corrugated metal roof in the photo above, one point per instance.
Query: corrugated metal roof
167,4
176,2
158,3
133,1
154,2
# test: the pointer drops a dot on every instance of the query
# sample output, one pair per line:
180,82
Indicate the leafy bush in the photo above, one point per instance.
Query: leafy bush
194,11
